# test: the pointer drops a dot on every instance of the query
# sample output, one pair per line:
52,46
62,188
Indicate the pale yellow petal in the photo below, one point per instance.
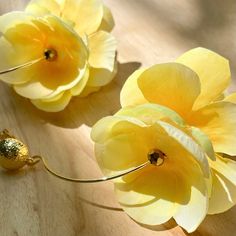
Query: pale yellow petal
6,63
13,18
220,97
193,208
107,20
158,193
203,141
27,41
130,94
78,83
187,143
20,44
223,194
150,198
102,48
166,84
6,49
43,7
86,14
231,98
213,71
79,87
197,143
32,90
100,77
56,104
218,122
224,185
149,113
113,135
105,127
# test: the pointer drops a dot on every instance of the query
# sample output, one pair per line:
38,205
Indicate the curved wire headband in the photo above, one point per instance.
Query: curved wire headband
14,155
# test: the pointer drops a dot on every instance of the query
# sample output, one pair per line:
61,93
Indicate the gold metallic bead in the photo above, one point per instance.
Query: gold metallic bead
13,154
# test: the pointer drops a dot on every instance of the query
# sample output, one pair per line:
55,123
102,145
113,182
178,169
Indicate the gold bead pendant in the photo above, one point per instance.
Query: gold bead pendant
13,154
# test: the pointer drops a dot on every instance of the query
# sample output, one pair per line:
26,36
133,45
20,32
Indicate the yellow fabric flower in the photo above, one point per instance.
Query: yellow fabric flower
192,86
77,31
178,188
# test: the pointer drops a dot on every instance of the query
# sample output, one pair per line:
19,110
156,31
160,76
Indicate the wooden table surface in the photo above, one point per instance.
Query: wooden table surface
32,202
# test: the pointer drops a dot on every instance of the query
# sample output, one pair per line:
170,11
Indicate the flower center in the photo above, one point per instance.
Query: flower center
156,157
50,54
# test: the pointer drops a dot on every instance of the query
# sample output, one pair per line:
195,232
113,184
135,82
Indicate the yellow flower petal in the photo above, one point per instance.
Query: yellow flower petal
100,77
159,193
231,98
110,125
27,41
111,133
76,85
187,143
56,104
23,39
224,185
213,71
203,141
107,20
102,46
33,90
166,84
78,88
6,62
150,199
85,15
13,18
220,97
43,7
218,122
5,49
150,113
193,208
131,87
191,135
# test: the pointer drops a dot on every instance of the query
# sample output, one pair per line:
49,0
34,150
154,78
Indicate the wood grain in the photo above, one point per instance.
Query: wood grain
35,203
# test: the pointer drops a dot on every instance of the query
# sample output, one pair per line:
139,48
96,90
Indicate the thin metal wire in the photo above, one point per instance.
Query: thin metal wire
30,63
36,159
